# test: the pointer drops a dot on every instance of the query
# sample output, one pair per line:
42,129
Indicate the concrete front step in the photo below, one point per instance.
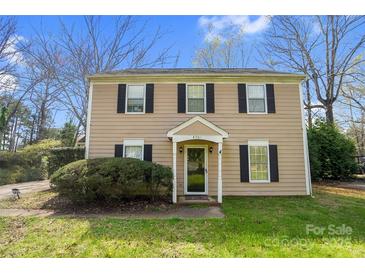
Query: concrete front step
192,200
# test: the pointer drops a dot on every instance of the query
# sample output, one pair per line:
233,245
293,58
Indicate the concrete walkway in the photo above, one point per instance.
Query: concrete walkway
179,212
28,187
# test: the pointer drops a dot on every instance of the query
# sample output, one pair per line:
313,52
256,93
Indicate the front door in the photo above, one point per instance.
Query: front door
195,170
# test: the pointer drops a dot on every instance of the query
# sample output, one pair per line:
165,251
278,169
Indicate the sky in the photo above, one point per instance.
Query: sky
184,33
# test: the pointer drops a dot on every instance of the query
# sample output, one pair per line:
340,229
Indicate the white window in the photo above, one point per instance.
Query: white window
135,102
195,98
258,153
133,149
256,98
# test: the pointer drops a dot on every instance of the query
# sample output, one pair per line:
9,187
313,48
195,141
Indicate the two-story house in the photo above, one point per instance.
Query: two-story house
231,132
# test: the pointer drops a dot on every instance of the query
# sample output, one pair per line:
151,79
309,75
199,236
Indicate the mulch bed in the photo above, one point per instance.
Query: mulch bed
137,205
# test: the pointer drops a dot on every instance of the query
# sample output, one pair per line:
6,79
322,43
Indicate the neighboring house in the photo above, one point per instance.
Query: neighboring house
80,141
224,132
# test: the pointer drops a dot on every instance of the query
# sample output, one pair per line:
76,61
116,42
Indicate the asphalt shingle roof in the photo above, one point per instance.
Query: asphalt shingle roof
192,71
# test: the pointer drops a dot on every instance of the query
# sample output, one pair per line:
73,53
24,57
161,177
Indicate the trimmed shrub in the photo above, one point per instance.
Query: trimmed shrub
27,164
111,179
331,153
61,156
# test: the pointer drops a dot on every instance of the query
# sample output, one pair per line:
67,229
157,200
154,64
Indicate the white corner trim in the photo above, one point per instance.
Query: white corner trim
308,181
88,121
191,121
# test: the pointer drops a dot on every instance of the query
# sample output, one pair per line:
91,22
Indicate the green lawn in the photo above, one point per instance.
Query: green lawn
253,227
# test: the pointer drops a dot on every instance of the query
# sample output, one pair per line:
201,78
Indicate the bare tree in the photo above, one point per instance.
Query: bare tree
353,97
42,67
322,47
228,51
92,50
8,52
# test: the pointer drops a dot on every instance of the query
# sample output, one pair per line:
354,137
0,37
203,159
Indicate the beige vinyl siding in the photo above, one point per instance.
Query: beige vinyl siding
197,128
282,128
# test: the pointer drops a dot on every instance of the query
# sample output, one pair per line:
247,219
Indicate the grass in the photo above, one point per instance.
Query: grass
39,200
253,227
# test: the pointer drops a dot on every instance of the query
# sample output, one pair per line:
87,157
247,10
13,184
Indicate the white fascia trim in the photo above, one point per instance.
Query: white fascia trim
182,138
172,132
88,121
308,180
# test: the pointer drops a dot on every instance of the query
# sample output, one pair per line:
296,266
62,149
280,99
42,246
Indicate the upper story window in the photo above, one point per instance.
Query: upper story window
256,98
259,161
195,98
135,102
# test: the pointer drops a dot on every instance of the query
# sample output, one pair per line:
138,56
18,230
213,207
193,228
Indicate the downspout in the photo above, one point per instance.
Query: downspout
308,180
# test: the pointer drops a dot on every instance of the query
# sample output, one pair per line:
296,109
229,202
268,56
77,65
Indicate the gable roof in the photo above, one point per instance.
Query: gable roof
193,120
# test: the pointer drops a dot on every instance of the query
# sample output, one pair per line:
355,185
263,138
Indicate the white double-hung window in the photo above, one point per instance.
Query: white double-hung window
195,98
256,98
258,152
133,149
135,101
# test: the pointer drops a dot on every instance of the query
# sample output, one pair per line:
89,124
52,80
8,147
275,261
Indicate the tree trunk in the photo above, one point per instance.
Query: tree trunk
12,145
32,130
42,122
329,113
309,103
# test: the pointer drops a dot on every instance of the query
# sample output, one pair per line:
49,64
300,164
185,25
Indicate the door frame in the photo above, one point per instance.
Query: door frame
186,147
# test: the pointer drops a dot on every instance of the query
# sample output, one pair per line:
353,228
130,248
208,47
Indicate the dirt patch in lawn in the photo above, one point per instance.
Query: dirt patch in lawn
49,200
341,188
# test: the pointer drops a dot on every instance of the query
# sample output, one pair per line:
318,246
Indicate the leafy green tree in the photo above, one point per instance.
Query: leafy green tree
331,153
67,134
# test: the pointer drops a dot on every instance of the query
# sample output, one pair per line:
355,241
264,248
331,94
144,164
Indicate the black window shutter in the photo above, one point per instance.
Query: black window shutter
274,170
210,98
147,153
181,97
118,151
149,98
121,98
244,163
270,96
242,103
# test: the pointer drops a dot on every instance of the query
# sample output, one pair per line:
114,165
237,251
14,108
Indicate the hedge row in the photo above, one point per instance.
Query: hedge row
36,161
331,153
27,164
59,157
